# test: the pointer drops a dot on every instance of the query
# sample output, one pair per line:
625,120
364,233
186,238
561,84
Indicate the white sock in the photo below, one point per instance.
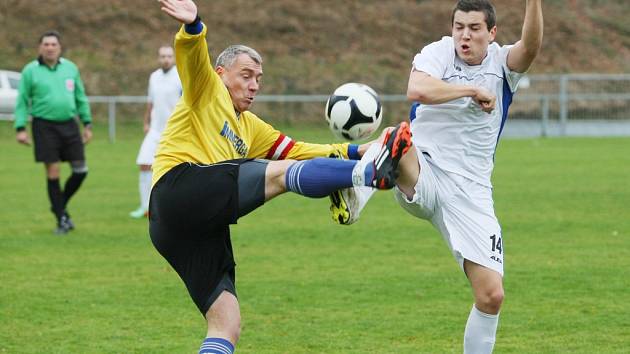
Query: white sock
145,188
365,193
481,331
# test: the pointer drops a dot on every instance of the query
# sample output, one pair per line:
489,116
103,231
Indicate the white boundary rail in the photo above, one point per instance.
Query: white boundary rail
550,105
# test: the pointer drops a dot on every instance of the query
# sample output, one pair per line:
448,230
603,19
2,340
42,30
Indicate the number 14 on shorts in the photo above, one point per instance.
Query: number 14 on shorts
497,244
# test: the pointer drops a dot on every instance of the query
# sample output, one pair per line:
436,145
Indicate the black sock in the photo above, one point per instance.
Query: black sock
56,197
72,185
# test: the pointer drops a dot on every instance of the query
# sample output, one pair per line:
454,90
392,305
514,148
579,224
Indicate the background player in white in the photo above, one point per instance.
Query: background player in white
164,92
463,86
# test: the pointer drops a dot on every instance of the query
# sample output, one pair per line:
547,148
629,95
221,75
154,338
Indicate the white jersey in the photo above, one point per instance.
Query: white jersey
458,135
165,89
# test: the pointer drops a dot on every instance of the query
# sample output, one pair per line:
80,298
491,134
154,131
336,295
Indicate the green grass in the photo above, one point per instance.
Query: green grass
385,285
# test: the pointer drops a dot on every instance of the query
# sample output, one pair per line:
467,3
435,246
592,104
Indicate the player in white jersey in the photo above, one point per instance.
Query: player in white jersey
463,86
164,92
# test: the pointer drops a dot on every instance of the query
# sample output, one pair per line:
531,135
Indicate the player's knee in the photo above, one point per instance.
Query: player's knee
52,171
495,299
234,326
279,168
229,329
490,301
224,318
236,331
276,170
79,167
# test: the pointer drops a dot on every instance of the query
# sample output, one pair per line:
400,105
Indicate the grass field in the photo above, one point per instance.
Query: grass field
385,285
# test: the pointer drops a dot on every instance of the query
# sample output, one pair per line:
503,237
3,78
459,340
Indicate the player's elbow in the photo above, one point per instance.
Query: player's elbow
417,94
531,46
532,50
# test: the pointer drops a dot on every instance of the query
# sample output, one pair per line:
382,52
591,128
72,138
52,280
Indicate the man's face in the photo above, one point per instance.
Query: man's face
242,80
166,58
50,49
472,36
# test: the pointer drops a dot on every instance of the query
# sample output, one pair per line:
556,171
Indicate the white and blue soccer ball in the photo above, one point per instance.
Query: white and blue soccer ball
354,111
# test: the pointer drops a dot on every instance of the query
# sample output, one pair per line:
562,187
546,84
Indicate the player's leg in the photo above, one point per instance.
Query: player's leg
73,183
347,204
145,160
262,180
408,173
71,150
53,170
467,222
224,325
144,188
79,172
55,195
48,144
320,177
191,208
481,327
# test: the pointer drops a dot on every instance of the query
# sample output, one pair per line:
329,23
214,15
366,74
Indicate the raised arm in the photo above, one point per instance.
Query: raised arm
199,81
184,11
523,53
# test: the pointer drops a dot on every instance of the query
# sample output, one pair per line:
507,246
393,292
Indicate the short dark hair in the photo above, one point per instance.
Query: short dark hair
484,6
50,34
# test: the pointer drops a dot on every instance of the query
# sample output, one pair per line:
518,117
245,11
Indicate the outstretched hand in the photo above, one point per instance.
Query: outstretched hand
184,11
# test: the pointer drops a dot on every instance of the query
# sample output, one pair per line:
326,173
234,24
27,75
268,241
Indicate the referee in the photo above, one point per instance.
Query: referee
51,91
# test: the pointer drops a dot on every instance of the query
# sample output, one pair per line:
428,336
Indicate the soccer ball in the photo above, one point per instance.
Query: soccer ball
353,111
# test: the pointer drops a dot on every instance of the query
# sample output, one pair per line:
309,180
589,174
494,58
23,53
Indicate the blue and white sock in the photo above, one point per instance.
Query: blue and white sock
353,152
320,177
216,346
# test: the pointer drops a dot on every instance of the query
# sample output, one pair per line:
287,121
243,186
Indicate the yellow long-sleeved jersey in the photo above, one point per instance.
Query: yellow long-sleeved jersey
204,127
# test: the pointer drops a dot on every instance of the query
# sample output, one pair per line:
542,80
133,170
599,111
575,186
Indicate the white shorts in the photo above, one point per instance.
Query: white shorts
148,148
461,209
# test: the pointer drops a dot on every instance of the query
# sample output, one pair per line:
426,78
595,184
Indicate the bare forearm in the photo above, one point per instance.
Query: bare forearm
533,27
429,90
524,52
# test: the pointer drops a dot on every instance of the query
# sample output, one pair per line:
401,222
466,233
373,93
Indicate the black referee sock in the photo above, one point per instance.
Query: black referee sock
72,186
56,197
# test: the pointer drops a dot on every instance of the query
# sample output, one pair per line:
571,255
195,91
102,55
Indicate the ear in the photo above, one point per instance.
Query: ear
493,33
219,70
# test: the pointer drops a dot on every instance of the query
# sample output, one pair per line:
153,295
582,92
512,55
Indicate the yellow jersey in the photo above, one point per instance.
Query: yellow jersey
205,128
